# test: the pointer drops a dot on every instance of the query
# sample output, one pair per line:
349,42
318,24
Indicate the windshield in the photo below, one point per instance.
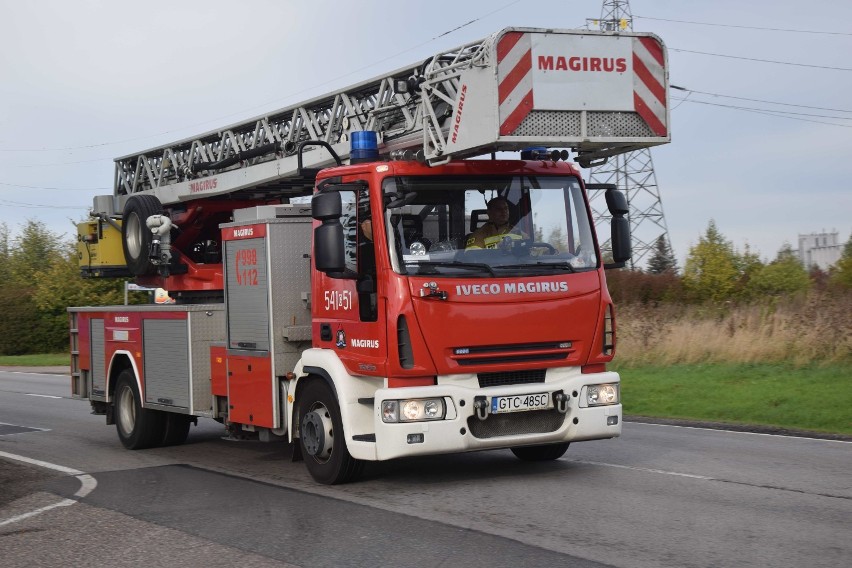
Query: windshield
489,226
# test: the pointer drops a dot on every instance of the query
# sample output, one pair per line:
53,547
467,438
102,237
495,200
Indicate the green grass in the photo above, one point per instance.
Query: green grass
804,398
40,360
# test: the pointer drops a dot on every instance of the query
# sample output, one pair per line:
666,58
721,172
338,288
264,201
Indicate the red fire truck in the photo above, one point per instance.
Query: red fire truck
350,278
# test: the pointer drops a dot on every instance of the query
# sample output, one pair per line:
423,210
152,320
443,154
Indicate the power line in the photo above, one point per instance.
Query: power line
789,30
763,60
57,188
759,100
769,112
50,164
36,206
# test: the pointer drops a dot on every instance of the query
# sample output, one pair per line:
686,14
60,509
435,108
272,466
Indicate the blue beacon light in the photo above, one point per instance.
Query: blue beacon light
365,146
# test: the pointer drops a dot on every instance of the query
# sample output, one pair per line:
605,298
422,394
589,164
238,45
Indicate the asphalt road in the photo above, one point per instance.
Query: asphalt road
658,496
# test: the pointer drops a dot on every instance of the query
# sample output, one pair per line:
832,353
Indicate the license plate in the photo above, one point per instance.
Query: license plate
520,403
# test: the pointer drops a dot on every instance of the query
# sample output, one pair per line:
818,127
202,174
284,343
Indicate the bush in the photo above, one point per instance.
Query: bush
636,287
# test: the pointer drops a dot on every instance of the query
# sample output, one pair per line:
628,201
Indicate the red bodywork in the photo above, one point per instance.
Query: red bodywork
501,331
512,324
198,221
122,333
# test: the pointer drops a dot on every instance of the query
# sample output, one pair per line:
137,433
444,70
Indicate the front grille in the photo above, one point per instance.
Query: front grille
513,423
511,353
511,378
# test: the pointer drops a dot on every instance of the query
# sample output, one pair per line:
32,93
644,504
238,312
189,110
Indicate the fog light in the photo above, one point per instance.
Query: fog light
390,411
415,438
599,395
611,420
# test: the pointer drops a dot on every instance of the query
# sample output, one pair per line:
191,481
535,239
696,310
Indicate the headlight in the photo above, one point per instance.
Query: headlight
599,395
414,410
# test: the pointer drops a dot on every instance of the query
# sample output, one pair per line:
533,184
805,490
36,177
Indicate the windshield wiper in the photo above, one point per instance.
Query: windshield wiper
479,266
539,264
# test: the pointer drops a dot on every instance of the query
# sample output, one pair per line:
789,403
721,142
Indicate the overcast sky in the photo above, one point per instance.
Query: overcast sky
85,81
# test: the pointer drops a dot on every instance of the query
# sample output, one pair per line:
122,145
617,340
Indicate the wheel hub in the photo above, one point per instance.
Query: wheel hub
126,410
317,433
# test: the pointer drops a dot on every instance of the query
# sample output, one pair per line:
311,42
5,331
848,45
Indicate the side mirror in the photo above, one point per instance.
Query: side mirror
616,202
329,253
326,206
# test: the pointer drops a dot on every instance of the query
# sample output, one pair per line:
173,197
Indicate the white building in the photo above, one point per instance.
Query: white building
821,249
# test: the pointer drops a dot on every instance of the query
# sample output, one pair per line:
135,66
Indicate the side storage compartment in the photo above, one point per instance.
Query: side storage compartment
167,368
177,366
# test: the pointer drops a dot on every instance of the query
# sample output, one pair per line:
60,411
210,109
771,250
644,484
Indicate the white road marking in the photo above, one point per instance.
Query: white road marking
789,436
87,485
28,427
42,395
644,469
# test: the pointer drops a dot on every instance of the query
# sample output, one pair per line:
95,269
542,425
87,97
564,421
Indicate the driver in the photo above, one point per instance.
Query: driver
498,227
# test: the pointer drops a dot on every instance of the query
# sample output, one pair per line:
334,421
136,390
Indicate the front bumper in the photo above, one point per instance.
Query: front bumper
463,431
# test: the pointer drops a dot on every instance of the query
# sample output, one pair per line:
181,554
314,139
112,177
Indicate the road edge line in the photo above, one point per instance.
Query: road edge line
87,485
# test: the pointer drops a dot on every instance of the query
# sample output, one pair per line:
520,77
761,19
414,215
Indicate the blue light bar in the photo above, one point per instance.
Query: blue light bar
534,153
365,146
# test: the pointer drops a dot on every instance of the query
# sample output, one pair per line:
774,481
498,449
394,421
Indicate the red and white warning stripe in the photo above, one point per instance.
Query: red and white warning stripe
649,92
514,71
515,82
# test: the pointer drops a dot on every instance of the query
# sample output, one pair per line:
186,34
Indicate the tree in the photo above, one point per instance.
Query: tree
39,279
711,271
557,239
842,273
33,251
22,330
5,257
784,275
60,286
748,265
663,259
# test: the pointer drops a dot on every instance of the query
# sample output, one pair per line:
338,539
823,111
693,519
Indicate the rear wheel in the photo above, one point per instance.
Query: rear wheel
547,452
176,429
136,237
321,436
137,427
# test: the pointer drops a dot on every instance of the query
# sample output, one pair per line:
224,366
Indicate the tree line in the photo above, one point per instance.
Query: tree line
716,272
40,278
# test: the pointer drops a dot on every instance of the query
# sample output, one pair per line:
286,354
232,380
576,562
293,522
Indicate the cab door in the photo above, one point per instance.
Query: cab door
348,305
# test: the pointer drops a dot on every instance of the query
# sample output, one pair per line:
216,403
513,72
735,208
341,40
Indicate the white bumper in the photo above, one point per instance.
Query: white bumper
462,431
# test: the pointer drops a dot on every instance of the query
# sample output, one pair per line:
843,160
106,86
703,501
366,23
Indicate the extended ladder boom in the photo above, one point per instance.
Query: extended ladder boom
598,93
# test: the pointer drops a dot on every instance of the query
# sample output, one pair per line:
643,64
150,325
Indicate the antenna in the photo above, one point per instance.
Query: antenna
632,173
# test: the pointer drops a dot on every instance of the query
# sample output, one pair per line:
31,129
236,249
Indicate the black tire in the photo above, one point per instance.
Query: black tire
321,436
135,235
138,428
547,452
176,429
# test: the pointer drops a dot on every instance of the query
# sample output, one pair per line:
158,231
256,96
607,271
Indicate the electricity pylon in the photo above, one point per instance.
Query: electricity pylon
632,173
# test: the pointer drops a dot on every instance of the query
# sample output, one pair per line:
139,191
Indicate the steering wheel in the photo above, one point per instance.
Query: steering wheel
549,247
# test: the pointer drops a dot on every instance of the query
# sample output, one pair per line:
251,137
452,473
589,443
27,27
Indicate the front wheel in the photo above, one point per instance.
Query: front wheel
137,427
547,452
321,436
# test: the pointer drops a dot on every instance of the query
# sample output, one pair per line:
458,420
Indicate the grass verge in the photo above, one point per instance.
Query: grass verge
40,360
816,398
